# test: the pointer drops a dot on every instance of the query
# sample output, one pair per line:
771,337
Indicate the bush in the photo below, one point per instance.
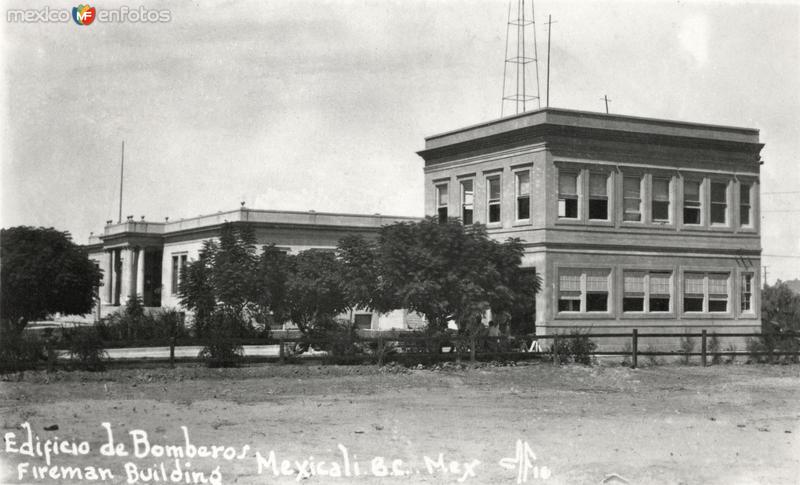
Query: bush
652,359
756,348
577,348
687,345
714,346
85,347
731,358
19,350
222,331
132,324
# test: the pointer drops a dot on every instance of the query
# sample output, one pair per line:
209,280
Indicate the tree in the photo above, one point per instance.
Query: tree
43,272
315,290
780,306
444,271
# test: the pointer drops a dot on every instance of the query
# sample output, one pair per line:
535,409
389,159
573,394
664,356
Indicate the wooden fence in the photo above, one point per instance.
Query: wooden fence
410,348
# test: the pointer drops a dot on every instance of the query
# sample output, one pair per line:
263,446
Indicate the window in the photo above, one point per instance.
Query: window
583,290
523,195
719,202
744,204
178,267
692,207
467,202
646,291
659,204
568,195
598,196
747,293
493,184
441,203
632,199
706,292
363,321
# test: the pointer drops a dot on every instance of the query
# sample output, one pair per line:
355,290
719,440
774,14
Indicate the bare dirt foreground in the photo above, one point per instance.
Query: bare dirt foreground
299,423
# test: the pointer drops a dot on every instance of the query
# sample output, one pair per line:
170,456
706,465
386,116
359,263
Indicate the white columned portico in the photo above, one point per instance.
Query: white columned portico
139,274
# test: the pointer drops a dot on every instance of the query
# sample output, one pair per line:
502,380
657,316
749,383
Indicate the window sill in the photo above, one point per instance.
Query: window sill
521,222
648,316
707,315
583,315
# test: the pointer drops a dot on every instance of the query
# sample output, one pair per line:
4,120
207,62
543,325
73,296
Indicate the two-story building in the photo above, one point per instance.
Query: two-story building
630,222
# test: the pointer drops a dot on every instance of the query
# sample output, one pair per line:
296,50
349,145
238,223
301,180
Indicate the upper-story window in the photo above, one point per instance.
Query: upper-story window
568,195
745,207
523,195
467,201
692,203
598,196
719,203
660,200
632,198
493,192
441,203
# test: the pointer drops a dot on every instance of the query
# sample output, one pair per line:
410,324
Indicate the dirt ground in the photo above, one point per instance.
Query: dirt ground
732,424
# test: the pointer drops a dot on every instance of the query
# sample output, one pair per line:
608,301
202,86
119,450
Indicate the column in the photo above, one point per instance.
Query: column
140,273
128,276
108,278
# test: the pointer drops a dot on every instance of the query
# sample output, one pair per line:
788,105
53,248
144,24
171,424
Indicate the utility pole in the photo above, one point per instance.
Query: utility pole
121,173
549,29
605,97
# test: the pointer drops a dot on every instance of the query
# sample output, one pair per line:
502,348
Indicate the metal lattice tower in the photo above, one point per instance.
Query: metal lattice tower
518,74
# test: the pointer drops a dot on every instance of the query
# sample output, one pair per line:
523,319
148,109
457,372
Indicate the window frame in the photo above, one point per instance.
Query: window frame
652,199
563,197
583,293
647,292
707,295
750,278
749,191
464,205
712,204
519,197
442,210
180,260
641,179
608,197
701,204
490,202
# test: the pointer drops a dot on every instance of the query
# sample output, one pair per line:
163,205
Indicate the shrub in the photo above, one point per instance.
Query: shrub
19,350
85,347
756,347
577,348
731,358
222,331
687,345
714,346
652,359
133,324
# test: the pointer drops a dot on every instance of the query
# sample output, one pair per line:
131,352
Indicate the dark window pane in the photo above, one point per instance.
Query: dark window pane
659,304
494,213
692,304
660,210
597,301
718,213
569,208
744,218
363,320
633,304
691,216
569,305
523,208
718,306
442,215
598,209
467,217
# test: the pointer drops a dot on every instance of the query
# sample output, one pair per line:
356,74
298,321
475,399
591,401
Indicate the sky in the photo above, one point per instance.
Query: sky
312,105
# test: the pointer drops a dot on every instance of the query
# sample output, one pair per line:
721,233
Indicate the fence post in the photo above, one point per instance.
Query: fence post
703,347
635,348
555,349
281,352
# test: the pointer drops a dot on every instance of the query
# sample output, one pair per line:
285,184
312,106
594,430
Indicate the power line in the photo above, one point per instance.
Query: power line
778,193
782,210
780,256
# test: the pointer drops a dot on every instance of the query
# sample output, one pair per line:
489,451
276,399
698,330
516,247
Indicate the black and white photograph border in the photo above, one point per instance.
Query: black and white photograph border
483,241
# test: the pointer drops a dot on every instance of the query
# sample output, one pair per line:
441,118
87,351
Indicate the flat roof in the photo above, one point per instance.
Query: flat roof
593,120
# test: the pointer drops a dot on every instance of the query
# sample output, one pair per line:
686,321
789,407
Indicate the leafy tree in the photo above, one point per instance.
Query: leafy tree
780,306
274,269
43,272
315,291
444,271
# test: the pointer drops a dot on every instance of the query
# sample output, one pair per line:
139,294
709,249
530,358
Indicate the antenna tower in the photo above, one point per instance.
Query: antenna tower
518,74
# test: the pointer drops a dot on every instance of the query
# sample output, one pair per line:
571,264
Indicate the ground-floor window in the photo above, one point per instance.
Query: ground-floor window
178,267
581,290
706,292
646,291
747,293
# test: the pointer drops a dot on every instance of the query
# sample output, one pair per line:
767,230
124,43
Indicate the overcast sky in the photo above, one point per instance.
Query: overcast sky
304,105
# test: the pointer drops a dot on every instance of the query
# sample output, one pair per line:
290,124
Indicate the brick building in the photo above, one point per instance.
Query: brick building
630,222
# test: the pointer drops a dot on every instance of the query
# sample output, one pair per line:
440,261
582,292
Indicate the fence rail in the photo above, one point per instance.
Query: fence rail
415,348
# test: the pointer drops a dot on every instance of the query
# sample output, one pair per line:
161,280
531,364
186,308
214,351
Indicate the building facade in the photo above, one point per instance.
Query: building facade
146,259
630,222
